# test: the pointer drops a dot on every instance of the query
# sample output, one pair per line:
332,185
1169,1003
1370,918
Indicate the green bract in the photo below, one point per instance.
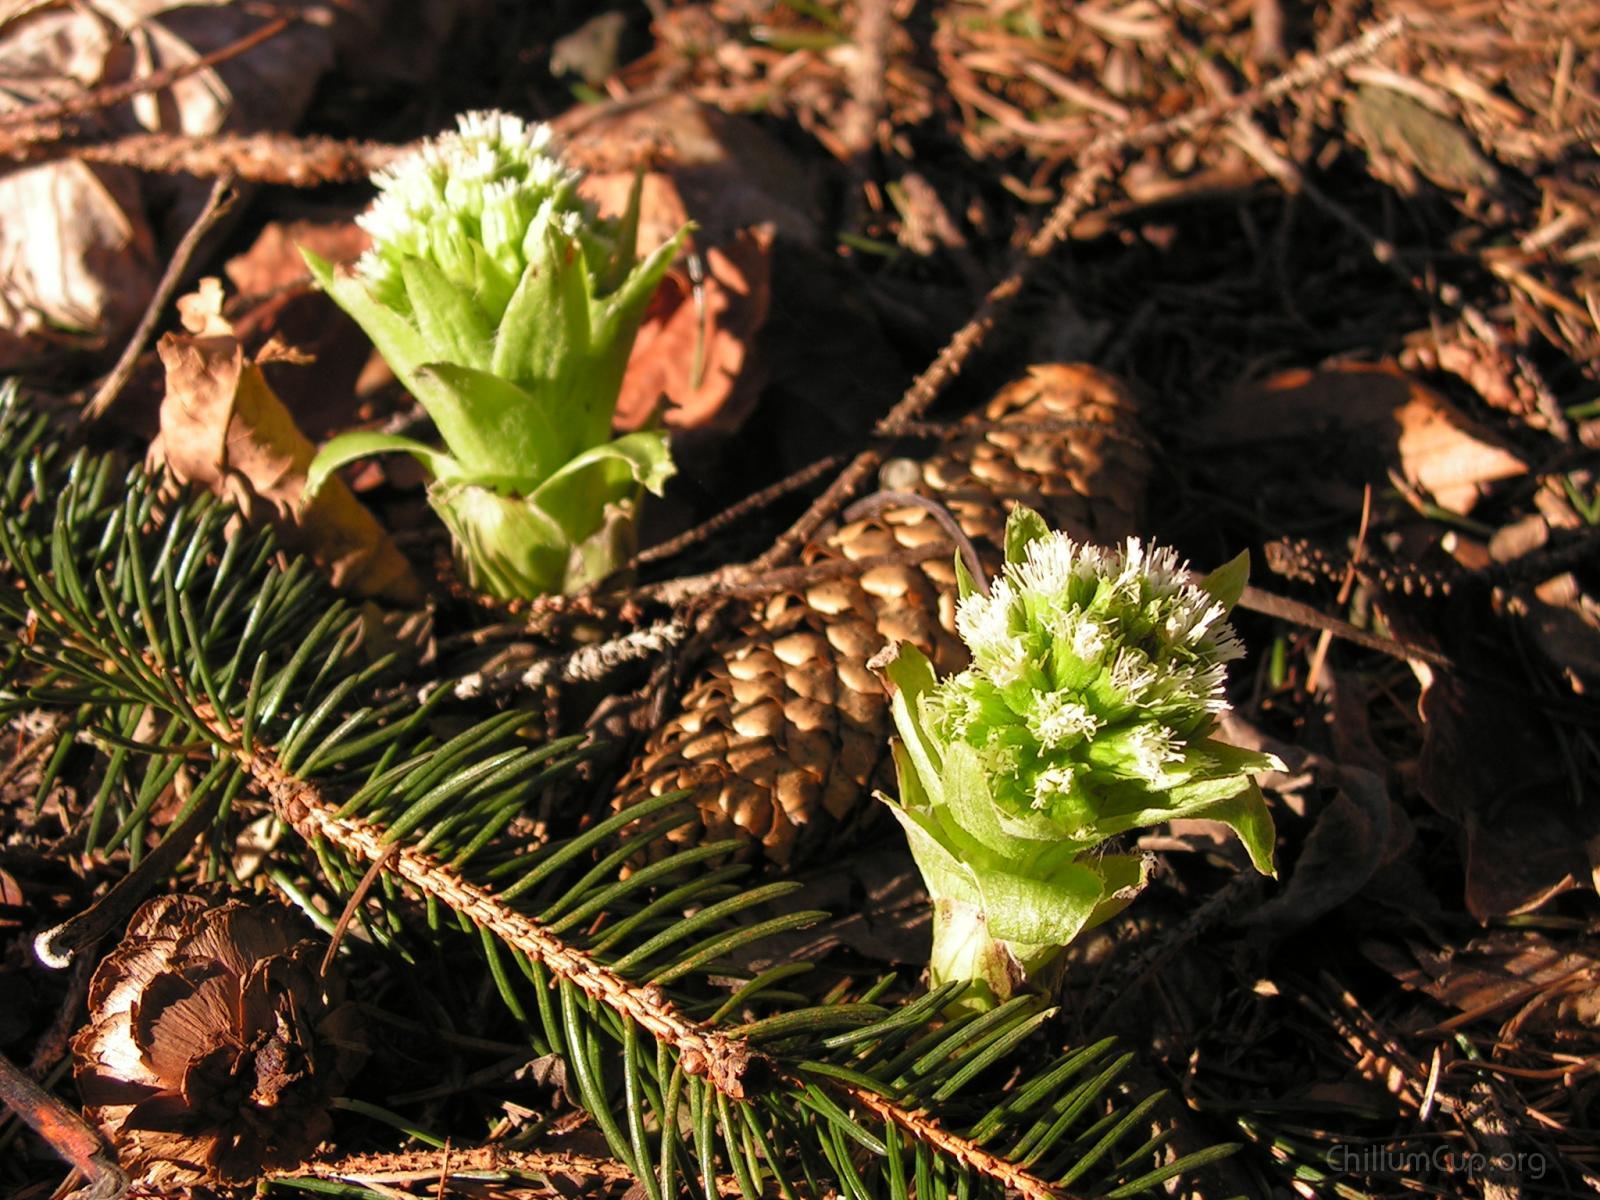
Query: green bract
1088,710
508,309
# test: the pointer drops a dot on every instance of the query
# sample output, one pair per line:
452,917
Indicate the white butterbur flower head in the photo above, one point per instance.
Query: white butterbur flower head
477,202
986,624
1089,710
508,307
1102,665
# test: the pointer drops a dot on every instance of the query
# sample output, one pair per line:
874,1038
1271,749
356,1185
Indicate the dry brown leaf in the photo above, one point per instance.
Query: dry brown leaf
1511,974
694,353
1491,764
78,257
274,261
13,904
223,427
1365,420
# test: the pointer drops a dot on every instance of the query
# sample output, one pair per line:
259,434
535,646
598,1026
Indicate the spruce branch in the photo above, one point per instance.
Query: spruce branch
926,1130
729,1063
172,650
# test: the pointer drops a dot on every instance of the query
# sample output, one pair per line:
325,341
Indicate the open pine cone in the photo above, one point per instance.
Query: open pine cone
784,731
214,1046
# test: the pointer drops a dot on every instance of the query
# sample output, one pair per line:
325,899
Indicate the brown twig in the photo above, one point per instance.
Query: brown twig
272,158
110,94
737,511
1313,70
54,1042
947,431
964,1151
728,1063
217,204
422,1166
418,1166
587,664
68,1134
720,585
1297,613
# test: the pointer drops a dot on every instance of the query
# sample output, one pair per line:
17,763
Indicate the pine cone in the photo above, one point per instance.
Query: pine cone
213,1045
784,731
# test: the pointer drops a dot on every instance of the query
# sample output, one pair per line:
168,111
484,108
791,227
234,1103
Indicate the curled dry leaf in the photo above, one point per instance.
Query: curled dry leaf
214,1046
1365,419
78,256
1523,837
223,427
696,357
695,351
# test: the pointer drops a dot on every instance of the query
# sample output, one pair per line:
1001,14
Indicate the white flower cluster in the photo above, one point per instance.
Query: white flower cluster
1095,674
478,203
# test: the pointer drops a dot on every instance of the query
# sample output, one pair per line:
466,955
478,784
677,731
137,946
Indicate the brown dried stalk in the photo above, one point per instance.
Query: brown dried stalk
441,1166
217,204
271,158
68,1134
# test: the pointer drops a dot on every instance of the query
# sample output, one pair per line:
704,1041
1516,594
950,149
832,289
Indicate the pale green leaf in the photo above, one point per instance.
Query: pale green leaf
577,493
448,317
616,320
965,583
1125,876
1040,911
545,342
1023,528
1247,814
944,875
970,801
1227,583
403,348
348,447
505,545
908,676
505,433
